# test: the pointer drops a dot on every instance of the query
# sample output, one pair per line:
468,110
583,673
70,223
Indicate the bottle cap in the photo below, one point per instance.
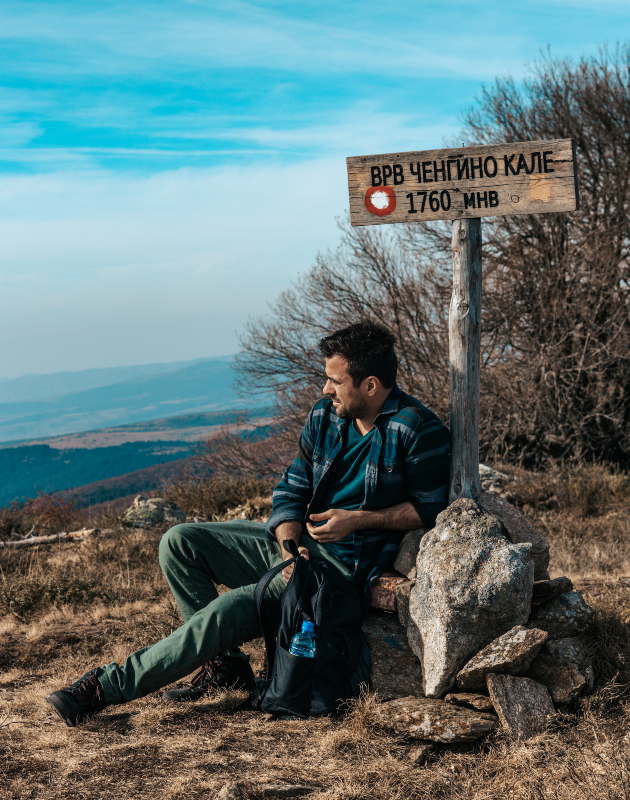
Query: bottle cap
308,627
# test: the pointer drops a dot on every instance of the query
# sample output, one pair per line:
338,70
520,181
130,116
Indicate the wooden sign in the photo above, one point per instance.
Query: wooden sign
460,183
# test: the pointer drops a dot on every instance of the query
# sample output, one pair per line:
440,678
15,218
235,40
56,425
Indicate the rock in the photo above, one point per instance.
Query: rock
436,720
519,530
395,669
562,678
562,616
384,590
403,593
545,590
522,704
477,701
511,653
472,585
146,512
421,754
237,790
575,652
408,552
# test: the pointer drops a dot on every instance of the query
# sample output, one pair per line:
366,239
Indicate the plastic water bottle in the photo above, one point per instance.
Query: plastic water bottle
304,643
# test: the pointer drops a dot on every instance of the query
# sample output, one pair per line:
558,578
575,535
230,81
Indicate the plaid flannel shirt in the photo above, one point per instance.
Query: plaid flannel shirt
409,460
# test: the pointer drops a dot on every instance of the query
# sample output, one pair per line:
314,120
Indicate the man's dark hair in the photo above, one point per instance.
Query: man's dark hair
368,347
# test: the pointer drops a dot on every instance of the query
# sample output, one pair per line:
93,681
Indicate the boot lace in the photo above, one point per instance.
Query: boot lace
209,673
88,692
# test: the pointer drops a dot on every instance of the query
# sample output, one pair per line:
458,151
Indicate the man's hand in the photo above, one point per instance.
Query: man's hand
339,524
288,571
290,530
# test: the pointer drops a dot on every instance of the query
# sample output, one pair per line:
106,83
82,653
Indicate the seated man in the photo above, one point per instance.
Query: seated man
373,462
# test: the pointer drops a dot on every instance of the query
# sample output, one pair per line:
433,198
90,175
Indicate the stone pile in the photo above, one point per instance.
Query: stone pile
145,512
497,640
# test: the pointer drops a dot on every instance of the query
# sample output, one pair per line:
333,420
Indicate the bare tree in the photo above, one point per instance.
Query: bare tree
372,274
557,285
555,377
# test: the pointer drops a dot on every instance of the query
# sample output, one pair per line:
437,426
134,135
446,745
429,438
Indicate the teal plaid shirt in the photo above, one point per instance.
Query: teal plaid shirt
409,460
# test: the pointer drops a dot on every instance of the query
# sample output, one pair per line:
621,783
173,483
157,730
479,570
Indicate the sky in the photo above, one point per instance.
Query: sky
168,168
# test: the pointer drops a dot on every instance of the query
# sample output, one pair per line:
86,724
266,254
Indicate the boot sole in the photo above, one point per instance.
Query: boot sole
64,707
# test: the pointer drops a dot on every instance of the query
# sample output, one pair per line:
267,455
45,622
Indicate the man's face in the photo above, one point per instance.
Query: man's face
349,402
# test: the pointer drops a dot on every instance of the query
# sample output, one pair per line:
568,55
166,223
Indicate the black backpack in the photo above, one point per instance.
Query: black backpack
296,687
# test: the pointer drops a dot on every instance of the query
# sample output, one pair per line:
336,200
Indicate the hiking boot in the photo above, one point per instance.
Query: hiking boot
80,701
221,672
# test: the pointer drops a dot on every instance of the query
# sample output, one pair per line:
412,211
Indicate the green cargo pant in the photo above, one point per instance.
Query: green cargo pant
193,558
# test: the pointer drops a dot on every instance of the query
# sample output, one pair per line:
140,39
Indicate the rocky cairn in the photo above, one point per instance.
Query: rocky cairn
472,585
498,641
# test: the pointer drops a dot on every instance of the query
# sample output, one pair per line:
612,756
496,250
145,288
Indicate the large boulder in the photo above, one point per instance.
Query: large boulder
435,720
523,705
511,653
472,586
562,616
519,530
147,512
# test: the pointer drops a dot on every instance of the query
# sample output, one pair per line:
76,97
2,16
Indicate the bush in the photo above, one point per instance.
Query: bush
213,497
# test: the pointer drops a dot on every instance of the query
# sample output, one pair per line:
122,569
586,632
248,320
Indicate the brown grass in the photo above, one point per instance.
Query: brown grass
69,607
585,513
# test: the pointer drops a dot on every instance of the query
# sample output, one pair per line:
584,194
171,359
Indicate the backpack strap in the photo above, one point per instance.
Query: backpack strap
261,588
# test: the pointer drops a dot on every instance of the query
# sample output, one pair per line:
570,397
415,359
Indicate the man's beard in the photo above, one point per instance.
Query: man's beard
357,410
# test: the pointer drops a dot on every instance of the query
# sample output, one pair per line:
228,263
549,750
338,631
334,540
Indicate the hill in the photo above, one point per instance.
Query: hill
58,384
123,488
41,468
199,387
104,464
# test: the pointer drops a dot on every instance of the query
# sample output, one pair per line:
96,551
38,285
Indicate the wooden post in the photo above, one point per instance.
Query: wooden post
464,184
465,353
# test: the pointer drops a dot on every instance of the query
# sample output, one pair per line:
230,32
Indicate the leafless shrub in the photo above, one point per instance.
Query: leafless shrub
372,274
245,449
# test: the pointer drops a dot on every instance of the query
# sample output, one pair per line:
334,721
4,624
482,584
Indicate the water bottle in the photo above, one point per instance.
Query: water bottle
304,643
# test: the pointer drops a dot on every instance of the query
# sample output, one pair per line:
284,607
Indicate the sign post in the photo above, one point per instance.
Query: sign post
464,184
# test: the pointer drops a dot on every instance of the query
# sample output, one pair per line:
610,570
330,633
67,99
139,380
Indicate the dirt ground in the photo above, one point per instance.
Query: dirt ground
72,606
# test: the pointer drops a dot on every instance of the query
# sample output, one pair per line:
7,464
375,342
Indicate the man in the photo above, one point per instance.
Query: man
373,462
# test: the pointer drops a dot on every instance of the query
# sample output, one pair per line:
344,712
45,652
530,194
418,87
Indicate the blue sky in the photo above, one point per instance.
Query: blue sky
169,167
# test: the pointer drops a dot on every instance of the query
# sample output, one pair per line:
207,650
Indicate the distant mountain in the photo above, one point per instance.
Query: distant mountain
39,468
199,387
58,384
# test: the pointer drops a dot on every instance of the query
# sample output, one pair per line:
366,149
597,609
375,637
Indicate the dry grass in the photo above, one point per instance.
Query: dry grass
585,513
69,607
212,498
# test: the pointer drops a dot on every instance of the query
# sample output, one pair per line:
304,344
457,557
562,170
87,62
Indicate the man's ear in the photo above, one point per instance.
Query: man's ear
372,385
